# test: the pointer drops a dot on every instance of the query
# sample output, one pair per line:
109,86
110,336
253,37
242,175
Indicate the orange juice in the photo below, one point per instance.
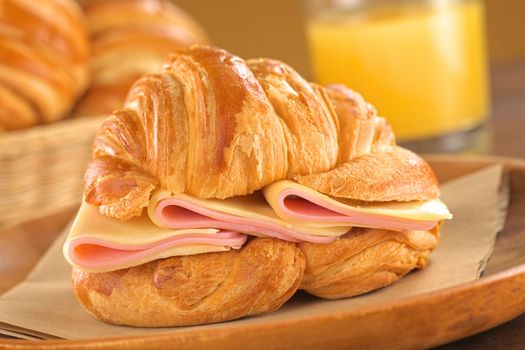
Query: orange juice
421,64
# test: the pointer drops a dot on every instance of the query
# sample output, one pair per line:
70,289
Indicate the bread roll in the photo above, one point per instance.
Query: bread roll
44,61
130,38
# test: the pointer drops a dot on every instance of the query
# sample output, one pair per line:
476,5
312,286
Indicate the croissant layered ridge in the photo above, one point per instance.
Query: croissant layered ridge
212,125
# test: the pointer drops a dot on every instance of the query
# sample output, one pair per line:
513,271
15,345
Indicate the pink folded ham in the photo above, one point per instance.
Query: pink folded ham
98,254
184,225
181,214
97,243
294,204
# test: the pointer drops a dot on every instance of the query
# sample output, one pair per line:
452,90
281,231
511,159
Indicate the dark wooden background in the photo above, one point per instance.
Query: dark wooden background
507,130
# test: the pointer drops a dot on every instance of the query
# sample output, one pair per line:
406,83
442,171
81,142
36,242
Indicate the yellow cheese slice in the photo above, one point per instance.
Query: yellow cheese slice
251,206
433,210
136,231
89,223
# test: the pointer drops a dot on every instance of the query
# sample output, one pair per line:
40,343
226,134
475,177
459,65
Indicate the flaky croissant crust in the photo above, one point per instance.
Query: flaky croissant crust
364,260
195,289
259,277
214,126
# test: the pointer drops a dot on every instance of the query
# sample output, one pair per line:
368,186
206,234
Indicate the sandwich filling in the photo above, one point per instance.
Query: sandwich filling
297,203
97,243
249,214
181,224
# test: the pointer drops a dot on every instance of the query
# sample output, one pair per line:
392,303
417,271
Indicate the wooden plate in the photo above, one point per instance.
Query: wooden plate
417,322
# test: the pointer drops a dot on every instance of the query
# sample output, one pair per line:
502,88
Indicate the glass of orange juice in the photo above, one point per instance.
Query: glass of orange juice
421,63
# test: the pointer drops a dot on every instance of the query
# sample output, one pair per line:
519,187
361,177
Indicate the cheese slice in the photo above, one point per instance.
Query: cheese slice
97,243
249,214
297,203
184,225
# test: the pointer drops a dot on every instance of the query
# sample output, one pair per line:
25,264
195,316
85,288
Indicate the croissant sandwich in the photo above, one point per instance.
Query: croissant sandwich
224,185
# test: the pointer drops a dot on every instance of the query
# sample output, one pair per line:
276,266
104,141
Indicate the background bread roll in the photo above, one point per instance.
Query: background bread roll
44,60
130,38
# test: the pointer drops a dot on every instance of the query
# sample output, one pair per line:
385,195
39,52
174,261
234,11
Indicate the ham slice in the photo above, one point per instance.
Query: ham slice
182,212
98,255
297,203
184,225
97,243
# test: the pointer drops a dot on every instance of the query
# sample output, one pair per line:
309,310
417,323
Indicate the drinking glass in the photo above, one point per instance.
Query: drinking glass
421,63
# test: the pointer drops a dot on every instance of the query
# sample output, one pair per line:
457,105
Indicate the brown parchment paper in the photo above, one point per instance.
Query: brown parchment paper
43,306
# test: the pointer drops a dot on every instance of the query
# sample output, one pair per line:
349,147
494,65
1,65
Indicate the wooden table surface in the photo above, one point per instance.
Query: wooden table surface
508,139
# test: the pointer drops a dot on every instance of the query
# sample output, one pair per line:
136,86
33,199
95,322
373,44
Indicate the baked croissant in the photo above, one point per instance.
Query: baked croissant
214,142
130,38
44,61
215,126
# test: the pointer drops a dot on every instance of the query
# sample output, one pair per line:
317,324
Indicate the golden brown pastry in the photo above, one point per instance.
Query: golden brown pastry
44,60
214,126
364,260
210,125
395,174
195,289
130,38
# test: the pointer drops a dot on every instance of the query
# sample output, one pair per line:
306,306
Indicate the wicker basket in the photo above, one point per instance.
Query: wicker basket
41,168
